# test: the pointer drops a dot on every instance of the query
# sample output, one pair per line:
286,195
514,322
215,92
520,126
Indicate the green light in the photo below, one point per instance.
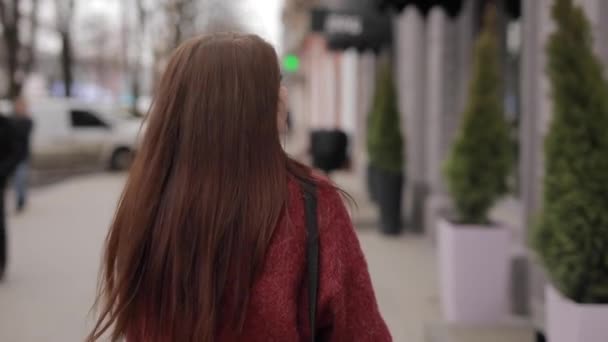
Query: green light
291,63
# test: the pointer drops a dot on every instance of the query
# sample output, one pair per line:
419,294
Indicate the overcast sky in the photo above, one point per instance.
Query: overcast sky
269,23
261,16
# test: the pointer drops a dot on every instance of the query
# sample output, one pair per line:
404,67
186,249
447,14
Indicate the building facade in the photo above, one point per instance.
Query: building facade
432,57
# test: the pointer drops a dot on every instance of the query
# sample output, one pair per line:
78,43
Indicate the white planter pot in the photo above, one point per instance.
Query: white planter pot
568,321
473,273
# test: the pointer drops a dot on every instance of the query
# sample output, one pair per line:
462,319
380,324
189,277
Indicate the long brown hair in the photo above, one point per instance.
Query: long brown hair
204,195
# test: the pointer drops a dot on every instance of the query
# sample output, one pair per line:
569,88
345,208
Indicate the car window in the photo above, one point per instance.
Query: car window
86,119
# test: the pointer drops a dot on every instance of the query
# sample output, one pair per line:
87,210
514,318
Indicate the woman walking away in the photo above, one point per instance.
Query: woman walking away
219,236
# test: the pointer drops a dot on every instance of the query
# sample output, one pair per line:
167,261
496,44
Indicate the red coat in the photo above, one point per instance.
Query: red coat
347,308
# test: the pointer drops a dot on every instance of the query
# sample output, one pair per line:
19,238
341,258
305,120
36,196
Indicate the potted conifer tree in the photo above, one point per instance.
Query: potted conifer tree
385,149
571,237
473,250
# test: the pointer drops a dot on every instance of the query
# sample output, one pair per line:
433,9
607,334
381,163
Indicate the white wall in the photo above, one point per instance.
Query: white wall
410,68
329,94
314,72
348,87
536,109
365,92
436,28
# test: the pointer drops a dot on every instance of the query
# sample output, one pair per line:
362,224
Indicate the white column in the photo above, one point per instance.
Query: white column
348,88
536,109
449,42
365,93
449,57
315,67
328,91
462,38
410,70
435,95
536,103
299,101
367,83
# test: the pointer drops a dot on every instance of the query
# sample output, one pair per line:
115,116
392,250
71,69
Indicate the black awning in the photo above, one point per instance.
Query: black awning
452,7
352,29
513,8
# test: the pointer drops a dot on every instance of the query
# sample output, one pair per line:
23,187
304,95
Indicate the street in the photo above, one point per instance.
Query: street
54,259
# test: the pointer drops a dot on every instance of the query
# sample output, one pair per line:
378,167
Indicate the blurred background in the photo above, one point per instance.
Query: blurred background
378,93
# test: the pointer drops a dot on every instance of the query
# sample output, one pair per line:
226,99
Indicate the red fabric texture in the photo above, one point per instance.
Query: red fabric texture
346,309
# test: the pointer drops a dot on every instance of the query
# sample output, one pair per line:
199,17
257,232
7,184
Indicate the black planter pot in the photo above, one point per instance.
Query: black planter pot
329,149
3,251
3,238
389,193
372,182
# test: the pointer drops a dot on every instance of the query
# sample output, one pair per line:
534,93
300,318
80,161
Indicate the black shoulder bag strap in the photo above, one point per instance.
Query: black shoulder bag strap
312,253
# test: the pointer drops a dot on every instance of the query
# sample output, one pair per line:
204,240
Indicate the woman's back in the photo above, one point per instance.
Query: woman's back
278,308
208,241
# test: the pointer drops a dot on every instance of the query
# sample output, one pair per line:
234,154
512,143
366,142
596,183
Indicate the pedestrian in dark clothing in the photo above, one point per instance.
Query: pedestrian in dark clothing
9,157
23,129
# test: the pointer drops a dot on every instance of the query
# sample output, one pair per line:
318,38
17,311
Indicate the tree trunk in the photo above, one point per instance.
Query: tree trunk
12,47
14,87
136,88
142,18
20,54
177,37
29,47
67,61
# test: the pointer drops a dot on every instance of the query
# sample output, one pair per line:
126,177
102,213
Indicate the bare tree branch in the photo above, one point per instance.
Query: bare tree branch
142,13
65,14
136,68
2,13
64,10
16,13
30,46
20,54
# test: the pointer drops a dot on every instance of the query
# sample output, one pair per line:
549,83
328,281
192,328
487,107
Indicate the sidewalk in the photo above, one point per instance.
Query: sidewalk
404,273
402,268
54,258
55,249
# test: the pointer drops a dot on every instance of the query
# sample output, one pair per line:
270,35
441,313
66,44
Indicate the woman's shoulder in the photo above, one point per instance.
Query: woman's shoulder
332,214
327,193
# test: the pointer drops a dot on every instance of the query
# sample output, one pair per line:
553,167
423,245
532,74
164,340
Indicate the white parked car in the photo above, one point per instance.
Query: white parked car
5,107
70,133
